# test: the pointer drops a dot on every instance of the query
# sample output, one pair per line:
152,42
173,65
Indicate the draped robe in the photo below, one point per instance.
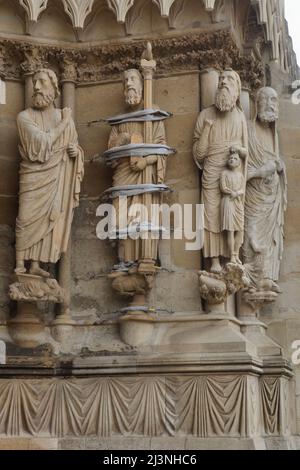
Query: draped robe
266,202
228,129
49,185
124,175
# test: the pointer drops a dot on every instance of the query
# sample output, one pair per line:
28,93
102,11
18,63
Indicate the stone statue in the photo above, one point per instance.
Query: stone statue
266,195
232,207
220,130
51,171
129,170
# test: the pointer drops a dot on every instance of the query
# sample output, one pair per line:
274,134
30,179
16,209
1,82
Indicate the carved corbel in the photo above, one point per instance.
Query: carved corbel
78,10
120,8
164,7
33,8
209,5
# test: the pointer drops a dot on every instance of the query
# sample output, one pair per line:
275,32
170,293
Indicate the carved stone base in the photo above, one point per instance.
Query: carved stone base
216,288
32,288
25,329
253,300
132,283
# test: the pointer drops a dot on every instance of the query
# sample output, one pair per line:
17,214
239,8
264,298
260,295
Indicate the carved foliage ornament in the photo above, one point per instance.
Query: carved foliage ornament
78,10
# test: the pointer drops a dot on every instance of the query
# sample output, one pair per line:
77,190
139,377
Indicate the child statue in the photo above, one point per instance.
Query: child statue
232,185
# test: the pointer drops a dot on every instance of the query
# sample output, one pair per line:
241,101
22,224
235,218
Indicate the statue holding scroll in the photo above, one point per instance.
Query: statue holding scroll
51,171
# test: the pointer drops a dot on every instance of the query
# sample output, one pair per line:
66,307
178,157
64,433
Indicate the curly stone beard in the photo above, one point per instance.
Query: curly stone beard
225,99
133,97
42,100
268,115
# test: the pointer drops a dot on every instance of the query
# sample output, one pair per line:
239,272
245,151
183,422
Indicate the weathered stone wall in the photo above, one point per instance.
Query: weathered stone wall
177,91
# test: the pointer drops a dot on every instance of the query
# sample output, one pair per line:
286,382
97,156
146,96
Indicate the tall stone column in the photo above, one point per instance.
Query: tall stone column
209,80
64,319
246,103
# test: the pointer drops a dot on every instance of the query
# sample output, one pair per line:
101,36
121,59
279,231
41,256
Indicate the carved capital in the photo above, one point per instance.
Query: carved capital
68,66
33,59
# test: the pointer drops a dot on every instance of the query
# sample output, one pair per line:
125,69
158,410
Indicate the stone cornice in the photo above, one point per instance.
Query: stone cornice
88,64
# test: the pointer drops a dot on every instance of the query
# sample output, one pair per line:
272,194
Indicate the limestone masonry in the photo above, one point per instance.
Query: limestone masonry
175,124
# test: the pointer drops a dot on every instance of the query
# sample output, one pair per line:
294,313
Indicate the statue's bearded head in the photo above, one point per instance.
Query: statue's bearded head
133,87
229,90
267,105
45,88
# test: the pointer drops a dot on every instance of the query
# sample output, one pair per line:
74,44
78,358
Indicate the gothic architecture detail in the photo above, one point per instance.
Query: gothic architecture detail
120,8
165,308
78,10
34,8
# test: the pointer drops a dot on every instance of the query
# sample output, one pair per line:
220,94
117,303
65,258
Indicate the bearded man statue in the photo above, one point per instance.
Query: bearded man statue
129,171
266,194
220,130
51,171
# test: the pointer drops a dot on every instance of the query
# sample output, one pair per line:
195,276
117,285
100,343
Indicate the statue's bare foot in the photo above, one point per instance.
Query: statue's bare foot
237,260
275,288
216,267
37,271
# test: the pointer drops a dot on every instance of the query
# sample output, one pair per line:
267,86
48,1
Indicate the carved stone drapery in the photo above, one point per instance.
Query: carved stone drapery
200,405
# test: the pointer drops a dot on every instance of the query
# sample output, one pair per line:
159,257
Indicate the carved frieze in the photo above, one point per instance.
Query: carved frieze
192,52
143,406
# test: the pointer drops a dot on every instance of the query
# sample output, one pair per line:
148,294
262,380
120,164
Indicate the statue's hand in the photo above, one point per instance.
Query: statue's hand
73,151
66,114
269,169
209,123
151,160
239,150
280,166
138,165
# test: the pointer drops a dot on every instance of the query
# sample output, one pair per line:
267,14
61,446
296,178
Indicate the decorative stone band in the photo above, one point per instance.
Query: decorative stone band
137,150
134,190
209,405
139,116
